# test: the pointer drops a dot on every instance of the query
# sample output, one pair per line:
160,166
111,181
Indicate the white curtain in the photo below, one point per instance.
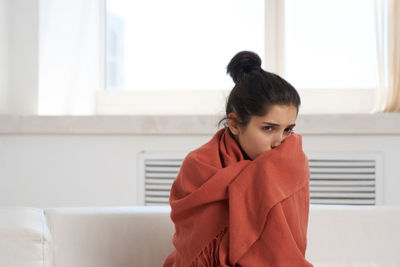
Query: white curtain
387,21
69,56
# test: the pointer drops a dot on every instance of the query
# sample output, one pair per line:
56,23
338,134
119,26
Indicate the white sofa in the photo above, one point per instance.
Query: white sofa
338,236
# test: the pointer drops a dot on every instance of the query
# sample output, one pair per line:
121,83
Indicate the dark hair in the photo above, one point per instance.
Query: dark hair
256,90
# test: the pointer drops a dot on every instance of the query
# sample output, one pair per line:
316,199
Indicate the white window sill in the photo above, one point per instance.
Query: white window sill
307,124
209,102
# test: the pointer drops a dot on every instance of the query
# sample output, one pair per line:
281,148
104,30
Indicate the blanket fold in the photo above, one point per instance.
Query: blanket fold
229,211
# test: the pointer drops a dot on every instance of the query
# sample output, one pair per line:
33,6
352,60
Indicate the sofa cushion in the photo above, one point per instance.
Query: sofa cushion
354,236
24,238
110,236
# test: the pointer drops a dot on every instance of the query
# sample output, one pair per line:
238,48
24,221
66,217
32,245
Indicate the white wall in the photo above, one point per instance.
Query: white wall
94,170
3,55
71,170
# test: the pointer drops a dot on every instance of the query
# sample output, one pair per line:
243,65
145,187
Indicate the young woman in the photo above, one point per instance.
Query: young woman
242,199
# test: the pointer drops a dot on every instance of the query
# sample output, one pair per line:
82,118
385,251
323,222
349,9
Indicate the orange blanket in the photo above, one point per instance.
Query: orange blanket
229,211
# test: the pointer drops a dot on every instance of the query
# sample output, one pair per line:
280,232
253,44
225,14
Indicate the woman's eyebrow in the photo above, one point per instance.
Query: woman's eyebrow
275,124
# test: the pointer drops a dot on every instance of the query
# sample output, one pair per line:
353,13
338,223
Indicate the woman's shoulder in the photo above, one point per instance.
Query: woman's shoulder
206,154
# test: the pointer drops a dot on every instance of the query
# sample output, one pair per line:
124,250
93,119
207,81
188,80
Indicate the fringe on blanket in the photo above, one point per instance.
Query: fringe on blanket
209,256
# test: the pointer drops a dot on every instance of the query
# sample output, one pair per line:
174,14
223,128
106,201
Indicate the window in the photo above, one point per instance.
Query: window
178,44
330,44
170,57
326,49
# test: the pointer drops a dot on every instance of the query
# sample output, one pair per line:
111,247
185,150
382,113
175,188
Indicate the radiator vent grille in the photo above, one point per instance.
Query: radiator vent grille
347,180
157,173
337,179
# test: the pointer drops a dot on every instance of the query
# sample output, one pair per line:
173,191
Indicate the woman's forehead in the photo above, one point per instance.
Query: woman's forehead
279,115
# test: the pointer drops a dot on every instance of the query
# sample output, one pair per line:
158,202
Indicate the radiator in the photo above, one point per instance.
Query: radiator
335,178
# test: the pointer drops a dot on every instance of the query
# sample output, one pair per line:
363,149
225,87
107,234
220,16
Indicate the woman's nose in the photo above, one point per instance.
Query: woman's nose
277,140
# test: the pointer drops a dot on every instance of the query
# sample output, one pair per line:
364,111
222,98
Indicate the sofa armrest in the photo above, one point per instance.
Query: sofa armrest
24,238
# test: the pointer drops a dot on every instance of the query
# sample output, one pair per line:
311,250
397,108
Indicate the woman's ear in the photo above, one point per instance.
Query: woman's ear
233,123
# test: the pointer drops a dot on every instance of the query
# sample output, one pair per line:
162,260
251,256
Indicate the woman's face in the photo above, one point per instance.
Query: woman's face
264,133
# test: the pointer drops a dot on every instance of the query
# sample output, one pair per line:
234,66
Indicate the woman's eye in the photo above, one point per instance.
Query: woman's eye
269,128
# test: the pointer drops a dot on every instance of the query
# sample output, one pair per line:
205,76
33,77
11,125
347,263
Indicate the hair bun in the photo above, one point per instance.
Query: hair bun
242,63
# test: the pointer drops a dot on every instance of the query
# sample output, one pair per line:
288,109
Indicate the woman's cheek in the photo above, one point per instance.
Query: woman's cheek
266,146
